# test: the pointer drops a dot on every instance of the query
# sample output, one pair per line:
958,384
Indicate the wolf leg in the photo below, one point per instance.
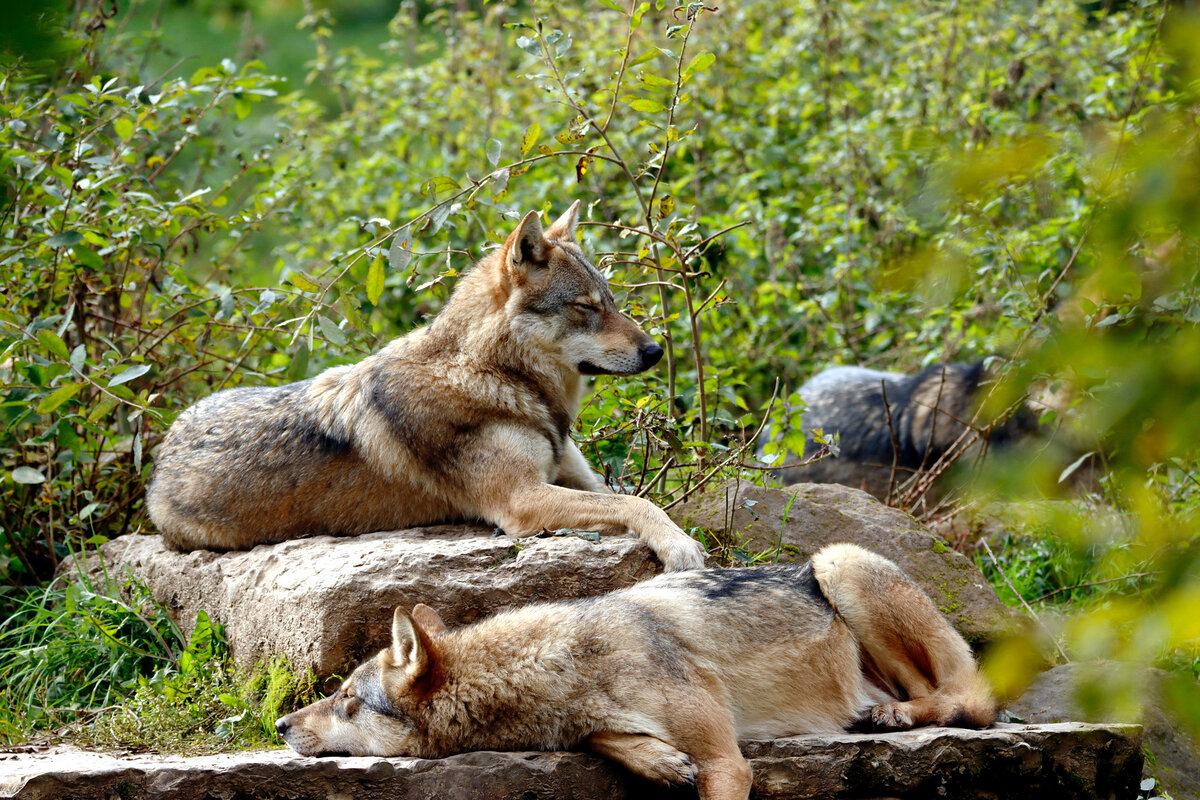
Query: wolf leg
912,650
574,472
644,755
510,487
701,725
528,509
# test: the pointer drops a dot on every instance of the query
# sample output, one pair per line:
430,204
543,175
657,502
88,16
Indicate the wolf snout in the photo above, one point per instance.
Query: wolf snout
282,725
651,353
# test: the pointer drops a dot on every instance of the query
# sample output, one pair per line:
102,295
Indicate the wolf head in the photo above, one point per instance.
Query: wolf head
559,303
377,710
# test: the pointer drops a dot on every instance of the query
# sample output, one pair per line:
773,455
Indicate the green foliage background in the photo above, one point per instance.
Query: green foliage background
773,189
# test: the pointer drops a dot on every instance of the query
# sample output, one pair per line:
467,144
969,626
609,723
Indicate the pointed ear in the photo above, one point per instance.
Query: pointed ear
564,226
428,620
410,647
526,246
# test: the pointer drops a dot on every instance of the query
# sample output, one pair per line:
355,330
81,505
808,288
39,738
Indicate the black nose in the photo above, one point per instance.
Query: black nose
651,354
282,725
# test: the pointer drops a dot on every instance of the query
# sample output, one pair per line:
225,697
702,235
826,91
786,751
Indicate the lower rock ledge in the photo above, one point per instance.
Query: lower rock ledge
1060,761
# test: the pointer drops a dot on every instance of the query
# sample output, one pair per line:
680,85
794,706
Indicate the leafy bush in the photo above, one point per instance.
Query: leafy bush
105,333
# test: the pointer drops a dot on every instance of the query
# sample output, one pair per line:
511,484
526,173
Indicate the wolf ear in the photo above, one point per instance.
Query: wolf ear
410,648
526,246
428,620
564,226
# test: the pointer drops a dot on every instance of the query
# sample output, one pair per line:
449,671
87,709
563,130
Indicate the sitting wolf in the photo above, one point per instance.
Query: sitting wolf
929,412
468,418
666,676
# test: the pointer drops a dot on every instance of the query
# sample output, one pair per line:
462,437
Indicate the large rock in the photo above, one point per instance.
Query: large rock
791,524
1055,762
1055,697
326,602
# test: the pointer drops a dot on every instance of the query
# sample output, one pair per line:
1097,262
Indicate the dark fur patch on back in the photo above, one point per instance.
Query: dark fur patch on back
745,582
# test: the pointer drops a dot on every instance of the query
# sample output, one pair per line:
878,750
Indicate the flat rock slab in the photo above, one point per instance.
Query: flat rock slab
1066,761
326,602
793,523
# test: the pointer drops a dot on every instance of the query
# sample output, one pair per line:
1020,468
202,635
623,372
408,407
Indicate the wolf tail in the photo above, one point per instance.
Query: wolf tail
908,649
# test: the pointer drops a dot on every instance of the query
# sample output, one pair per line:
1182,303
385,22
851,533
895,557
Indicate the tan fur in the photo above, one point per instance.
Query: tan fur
468,418
666,676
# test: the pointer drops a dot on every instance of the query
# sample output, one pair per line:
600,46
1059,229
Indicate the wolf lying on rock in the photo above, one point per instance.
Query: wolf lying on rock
882,417
665,676
468,418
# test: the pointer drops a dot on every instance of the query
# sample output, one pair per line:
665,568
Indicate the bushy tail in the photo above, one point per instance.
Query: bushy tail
909,650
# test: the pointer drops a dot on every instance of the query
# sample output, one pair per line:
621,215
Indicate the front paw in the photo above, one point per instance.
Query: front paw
681,553
672,767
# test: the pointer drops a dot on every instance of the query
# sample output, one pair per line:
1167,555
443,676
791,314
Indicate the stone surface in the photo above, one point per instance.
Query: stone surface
753,519
326,602
1056,762
1176,759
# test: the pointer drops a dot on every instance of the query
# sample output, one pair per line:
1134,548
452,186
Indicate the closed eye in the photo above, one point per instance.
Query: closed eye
586,306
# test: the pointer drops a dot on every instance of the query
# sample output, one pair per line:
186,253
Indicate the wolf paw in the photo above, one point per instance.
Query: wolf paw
892,717
671,766
682,553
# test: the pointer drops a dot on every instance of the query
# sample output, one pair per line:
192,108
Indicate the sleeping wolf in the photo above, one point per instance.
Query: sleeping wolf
468,418
929,411
665,676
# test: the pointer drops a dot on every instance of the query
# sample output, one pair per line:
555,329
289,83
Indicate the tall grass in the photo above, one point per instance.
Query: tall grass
77,646
96,659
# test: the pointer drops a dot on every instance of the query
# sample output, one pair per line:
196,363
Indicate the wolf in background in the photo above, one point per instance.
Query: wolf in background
468,418
666,676
929,411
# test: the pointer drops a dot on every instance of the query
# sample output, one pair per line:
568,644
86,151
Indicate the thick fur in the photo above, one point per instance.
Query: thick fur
929,412
666,676
468,418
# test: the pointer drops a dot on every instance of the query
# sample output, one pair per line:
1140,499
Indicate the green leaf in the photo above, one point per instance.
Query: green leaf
124,128
649,55
665,206
530,138
399,254
65,239
129,373
52,342
635,21
102,410
647,105
303,282
655,80
298,369
331,331
88,257
28,475
698,64
612,4
375,276
435,186
59,396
